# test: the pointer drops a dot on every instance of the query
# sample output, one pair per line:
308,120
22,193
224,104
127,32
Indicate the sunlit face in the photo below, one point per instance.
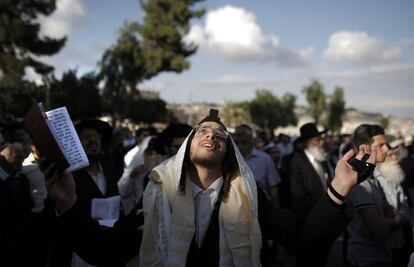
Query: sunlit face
208,145
315,141
380,141
91,141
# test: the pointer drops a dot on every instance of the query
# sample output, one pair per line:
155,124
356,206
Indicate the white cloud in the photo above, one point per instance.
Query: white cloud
69,14
31,75
359,47
233,80
233,33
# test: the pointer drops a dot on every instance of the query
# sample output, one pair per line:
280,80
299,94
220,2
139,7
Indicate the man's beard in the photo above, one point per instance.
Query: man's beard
94,158
391,171
317,152
205,162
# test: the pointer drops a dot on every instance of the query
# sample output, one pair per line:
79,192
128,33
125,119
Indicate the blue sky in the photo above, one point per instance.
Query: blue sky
366,47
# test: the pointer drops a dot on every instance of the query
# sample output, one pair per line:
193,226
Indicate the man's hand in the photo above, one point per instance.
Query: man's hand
61,188
345,176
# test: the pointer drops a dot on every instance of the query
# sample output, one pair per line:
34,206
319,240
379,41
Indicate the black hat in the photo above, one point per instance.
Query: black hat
308,131
102,127
212,116
175,130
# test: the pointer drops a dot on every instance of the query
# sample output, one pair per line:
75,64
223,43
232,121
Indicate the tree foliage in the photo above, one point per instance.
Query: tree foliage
316,99
20,42
80,95
144,50
165,24
148,110
384,122
16,97
20,48
235,113
336,111
270,112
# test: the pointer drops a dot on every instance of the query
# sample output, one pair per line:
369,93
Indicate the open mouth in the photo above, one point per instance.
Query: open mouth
209,145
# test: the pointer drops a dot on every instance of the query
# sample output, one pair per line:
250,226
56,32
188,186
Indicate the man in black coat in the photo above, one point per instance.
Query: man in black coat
309,174
96,181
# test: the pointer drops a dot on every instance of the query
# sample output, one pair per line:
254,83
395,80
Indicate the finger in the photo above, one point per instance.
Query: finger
373,157
348,155
362,150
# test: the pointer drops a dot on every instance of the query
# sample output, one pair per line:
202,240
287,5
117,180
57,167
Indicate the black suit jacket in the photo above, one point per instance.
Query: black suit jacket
305,184
86,188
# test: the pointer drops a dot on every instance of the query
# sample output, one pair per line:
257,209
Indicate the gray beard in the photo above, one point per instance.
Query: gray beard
391,171
317,152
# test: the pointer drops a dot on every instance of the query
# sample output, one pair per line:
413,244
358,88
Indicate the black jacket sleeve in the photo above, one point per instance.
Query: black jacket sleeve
324,223
98,245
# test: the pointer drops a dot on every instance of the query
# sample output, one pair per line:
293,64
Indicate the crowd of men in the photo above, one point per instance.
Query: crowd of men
205,195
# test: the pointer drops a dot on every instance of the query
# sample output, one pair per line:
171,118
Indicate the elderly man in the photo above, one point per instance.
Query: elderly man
309,175
202,208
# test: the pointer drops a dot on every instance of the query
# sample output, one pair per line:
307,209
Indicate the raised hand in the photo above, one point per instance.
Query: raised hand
345,176
61,188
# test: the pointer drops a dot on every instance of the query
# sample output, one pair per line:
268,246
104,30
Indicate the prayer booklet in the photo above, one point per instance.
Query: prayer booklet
55,137
106,210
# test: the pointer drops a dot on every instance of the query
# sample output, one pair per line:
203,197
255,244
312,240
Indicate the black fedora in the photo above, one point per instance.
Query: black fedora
102,127
308,131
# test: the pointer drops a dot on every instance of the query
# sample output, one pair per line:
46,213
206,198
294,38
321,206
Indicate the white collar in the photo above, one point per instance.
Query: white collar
215,186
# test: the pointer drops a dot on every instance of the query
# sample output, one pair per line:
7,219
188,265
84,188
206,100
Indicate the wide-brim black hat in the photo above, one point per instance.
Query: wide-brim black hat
102,127
308,131
175,130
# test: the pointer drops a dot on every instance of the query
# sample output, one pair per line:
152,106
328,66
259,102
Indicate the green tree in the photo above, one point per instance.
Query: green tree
384,122
315,96
269,112
15,103
20,43
336,111
144,50
20,47
148,111
165,24
235,113
80,95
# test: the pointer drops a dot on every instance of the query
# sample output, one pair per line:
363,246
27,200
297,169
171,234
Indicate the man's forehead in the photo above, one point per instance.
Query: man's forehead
212,124
379,139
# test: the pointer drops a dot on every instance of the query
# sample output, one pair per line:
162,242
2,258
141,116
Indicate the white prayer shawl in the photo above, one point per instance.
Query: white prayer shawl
131,188
169,218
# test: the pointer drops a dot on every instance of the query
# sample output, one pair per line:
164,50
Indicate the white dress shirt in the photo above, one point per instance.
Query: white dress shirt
99,179
204,201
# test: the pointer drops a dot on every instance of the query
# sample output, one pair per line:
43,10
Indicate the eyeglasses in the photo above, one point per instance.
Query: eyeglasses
203,131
